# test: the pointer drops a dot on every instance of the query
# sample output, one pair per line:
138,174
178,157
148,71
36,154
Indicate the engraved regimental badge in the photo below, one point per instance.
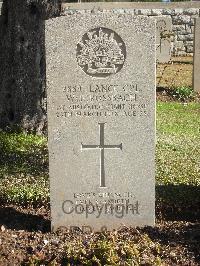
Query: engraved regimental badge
101,52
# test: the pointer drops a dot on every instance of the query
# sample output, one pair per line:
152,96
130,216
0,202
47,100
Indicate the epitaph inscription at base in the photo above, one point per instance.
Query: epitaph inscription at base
101,120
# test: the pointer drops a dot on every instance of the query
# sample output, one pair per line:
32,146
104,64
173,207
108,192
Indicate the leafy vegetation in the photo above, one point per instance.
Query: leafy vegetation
22,154
184,93
23,168
109,248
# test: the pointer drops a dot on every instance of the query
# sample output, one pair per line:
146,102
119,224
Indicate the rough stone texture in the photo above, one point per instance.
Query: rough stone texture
22,63
163,39
181,14
196,64
101,119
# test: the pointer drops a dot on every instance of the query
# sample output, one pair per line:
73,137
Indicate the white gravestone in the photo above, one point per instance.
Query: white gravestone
163,39
101,120
196,57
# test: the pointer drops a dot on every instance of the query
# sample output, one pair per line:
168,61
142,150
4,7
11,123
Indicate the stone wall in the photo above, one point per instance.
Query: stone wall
182,15
183,27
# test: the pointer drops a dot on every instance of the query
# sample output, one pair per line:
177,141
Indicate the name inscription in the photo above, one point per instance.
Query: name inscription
102,100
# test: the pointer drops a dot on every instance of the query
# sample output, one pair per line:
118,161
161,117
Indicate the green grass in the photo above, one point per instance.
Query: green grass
24,159
178,160
22,154
178,143
178,119
23,168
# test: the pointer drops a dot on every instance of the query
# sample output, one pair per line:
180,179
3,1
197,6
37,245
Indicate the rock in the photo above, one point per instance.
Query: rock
46,241
156,12
184,37
191,11
3,229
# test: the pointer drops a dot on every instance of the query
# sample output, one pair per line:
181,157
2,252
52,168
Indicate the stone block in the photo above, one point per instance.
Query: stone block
163,39
196,57
101,120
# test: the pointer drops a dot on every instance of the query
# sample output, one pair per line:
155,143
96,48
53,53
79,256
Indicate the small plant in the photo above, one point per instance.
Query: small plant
26,190
114,249
184,93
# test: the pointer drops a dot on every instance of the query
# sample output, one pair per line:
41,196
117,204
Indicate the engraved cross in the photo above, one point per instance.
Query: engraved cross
101,147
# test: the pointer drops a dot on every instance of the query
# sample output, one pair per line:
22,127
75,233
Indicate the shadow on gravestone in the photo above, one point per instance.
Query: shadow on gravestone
22,63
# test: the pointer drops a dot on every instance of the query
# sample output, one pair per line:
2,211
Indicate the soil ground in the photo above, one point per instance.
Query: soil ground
175,74
25,234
